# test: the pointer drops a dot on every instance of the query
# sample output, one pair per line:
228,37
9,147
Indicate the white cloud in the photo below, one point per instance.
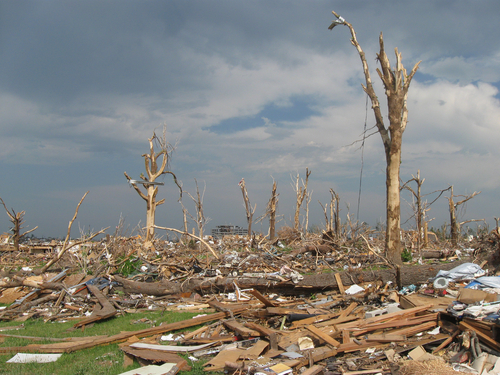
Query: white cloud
465,69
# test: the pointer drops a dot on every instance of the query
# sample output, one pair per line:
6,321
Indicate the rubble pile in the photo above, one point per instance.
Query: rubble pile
295,306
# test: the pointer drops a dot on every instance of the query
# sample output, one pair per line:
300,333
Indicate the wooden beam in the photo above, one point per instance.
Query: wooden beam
339,283
319,333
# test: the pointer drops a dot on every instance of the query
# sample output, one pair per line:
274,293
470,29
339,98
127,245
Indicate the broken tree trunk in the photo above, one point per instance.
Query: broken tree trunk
396,83
248,207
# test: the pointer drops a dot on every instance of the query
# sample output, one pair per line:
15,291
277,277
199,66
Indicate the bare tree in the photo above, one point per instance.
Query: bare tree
301,192
271,211
153,171
308,200
396,83
248,207
454,223
66,244
200,218
17,220
420,207
332,222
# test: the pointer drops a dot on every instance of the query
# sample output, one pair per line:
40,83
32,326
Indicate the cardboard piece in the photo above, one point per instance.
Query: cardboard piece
419,354
416,300
469,296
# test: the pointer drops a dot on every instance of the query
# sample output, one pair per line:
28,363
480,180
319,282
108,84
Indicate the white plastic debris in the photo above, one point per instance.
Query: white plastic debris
465,271
353,289
36,358
435,331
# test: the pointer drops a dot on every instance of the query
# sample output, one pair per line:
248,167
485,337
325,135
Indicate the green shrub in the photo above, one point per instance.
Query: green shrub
406,256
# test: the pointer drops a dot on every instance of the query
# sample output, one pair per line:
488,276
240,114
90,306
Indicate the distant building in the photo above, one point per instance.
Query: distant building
228,230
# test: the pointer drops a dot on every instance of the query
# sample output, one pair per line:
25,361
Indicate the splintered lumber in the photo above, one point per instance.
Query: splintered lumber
414,330
241,329
318,354
349,310
343,320
283,311
261,298
190,335
168,348
314,370
155,356
396,323
322,335
255,350
264,331
123,336
225,307
446,342
339,283
107,310
312,320
383,337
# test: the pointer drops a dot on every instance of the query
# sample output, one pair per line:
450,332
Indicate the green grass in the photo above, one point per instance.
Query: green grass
99,360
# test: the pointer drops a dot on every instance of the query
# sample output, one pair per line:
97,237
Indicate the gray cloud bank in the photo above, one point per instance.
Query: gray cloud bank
257,89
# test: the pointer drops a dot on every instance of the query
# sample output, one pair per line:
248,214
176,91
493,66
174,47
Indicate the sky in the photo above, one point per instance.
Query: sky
259,90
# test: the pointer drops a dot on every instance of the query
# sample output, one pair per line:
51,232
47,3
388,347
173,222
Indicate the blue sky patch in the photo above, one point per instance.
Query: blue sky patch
297,109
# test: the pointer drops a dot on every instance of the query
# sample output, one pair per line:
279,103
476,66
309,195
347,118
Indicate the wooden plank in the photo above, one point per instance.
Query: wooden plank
260,328
317,354
319,333
346,339
339,283
353,319
349,310
407,312
314,370
261,298
312,320
395,324
107,310
141,333
414,330
383,337
241,329
190,335
446,342
283,311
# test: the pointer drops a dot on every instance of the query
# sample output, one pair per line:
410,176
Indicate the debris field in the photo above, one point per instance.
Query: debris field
295,306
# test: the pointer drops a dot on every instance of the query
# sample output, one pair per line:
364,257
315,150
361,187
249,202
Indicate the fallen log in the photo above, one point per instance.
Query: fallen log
311,283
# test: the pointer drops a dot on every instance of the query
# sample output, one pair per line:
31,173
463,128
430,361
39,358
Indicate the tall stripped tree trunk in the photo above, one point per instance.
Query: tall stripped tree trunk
396,83
200,218
153,171
248,207
335,212
271,208
418,208
301,194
